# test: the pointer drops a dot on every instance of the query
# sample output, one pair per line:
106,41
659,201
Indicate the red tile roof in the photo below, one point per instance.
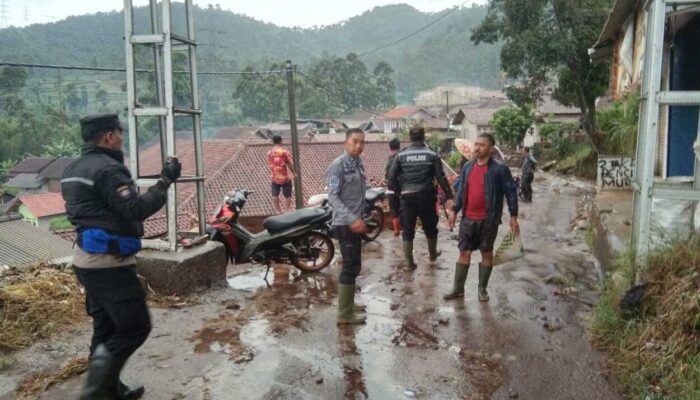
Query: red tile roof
44,204
403,112
249,170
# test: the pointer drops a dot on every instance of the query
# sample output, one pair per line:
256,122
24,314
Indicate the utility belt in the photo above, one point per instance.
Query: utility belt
99,241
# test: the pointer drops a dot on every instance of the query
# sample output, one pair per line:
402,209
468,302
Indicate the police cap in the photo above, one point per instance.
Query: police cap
92,125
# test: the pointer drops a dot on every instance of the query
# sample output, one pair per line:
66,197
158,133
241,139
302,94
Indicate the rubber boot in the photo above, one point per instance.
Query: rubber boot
101,381
128,393
461,271
433,250
408,254
396,223
484,275
358,307
346,315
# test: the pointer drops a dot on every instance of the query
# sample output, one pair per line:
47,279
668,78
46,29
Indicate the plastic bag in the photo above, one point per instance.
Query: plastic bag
510,248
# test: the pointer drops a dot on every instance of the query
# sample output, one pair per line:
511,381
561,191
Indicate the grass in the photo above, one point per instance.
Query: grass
582,162
655,355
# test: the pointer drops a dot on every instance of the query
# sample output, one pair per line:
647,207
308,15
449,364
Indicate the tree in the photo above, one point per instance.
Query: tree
12,79
545,42
510,124
385,87
102,97
73,100
62,147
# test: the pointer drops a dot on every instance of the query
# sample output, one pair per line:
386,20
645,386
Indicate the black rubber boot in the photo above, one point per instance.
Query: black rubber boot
461,271
101,381
127,393
408,254
433,250
484,275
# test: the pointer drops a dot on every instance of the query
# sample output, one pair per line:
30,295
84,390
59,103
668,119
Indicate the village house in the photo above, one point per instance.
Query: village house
46,211
621,42
404,117
35,175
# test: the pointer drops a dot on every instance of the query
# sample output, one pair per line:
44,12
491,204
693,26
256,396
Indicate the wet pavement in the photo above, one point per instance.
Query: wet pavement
251,341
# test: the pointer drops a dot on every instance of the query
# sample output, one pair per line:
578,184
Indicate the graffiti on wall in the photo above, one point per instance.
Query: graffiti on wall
615,173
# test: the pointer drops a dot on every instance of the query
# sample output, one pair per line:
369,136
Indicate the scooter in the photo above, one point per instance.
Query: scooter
373,216
295,237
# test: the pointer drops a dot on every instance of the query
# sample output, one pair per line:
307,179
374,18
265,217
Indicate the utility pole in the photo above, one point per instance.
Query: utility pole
298,194
26,15
4,21
447,109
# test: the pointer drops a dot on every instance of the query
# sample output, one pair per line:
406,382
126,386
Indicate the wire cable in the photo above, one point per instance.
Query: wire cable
419,30
101,69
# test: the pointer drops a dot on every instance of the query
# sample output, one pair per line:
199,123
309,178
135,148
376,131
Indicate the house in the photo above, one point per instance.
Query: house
235,133
31,165
38,175
454,94
304,130
27,184
551,111
359,118
473,121
322,125
22,243
622,43
46,211
404,117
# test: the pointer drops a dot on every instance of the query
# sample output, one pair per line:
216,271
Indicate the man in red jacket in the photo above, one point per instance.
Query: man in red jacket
479,193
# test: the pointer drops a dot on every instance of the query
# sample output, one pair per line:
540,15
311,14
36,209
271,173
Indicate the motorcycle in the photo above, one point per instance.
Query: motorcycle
295,237
373,213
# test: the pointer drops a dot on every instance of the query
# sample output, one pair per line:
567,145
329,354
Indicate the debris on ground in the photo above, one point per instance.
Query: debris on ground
36,303
34,384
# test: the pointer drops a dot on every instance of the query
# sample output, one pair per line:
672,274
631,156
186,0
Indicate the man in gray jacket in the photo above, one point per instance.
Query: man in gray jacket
346,182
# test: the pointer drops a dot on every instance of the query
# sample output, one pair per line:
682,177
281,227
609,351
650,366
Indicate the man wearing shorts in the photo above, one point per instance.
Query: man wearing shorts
480,189
280,161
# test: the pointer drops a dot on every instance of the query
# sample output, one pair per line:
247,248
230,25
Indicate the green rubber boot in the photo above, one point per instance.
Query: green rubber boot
346,315
359,307
408,254
433,250
484,275
457,292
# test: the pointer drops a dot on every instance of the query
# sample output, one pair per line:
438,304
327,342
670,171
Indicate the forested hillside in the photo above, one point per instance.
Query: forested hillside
439,54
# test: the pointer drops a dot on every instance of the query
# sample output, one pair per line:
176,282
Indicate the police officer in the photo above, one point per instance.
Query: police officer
394,198
107,210
346,182
413,174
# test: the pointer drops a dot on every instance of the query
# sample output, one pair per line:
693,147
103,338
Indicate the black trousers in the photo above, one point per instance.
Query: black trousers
351,250
394,205
526,185
419,205
116,302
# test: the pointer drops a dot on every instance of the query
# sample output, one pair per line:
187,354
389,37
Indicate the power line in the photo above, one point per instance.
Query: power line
419,30
101,69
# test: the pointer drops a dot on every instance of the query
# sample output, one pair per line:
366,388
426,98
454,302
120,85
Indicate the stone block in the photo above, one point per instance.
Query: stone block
184,271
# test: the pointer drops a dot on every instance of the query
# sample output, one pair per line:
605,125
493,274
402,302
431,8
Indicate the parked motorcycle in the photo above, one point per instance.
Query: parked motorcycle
294,237
373,216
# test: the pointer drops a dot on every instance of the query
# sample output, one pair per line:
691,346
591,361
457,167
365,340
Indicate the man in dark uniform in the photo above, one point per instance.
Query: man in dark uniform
481,188
107,210
347,182
395,198
413,174
528,174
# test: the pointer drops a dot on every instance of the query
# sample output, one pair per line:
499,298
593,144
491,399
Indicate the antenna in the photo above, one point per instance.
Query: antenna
26,15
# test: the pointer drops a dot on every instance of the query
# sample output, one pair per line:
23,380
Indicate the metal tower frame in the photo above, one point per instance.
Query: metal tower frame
164,42
652,98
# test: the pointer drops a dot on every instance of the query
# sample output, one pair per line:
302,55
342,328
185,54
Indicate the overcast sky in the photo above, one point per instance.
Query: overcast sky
304,13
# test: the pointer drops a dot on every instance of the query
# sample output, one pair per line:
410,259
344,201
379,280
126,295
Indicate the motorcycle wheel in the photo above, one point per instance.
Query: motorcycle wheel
376,215
315,252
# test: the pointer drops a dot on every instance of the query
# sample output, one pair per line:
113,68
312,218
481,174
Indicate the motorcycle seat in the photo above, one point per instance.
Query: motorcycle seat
372,194
287,220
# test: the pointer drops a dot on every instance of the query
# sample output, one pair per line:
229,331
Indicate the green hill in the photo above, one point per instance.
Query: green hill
439,54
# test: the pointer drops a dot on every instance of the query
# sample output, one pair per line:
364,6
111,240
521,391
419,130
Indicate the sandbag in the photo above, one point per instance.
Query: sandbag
510,248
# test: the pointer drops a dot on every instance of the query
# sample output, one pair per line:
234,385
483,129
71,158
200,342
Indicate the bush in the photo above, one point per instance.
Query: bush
617,126
655,354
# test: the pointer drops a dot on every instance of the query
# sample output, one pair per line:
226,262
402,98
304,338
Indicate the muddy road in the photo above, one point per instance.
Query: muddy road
248,341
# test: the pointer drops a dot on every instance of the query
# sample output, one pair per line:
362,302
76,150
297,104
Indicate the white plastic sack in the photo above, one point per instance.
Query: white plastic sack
510,248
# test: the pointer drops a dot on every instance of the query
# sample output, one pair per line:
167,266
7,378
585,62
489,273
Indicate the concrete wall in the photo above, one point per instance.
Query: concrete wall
615,173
